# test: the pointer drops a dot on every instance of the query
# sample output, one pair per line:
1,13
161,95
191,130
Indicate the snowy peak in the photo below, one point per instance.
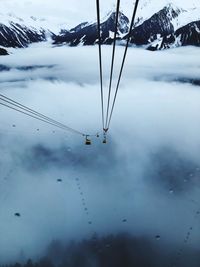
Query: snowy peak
172,11
86,33
79,27
16,35
160,24
155,24
186,35
165,22
123,23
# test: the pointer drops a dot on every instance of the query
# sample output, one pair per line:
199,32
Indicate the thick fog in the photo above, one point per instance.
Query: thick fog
144,181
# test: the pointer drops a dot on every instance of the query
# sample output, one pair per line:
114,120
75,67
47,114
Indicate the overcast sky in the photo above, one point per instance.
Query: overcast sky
73,11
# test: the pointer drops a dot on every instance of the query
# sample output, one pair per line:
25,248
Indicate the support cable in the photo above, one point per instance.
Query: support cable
113,60
100,60
36,115
123,61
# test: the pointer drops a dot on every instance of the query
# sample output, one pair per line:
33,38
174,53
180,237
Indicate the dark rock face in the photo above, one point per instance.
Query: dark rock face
3,52
159,24
18,36
186,35
155,33
86,33
189,34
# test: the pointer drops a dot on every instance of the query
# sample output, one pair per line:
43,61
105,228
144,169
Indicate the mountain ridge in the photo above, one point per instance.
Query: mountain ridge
171,26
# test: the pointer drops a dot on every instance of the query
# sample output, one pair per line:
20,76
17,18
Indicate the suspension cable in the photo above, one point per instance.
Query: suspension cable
113,59
25,113
123,61
100,61
9,103
29,110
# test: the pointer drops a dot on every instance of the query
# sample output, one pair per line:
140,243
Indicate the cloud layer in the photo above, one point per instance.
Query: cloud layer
145,181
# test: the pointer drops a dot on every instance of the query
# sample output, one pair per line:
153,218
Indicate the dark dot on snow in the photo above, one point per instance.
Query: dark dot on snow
191,228
124,220
198,212
157,237
86,209
59,180
89,222
13,125
81,193
17,214
38,130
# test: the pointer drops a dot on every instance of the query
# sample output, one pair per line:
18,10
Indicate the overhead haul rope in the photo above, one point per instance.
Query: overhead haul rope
112,61
35,117
9,103
123,61
31,111
100,60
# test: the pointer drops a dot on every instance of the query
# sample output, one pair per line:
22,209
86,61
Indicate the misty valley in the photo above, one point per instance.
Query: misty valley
134,201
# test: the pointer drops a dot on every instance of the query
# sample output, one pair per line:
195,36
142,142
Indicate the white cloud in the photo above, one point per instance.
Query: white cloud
156,112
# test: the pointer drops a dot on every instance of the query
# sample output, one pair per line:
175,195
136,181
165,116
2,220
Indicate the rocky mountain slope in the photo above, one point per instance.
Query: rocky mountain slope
171,26
16,35
86,33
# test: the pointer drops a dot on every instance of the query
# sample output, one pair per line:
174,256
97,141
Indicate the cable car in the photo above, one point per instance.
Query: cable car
87,141
104,140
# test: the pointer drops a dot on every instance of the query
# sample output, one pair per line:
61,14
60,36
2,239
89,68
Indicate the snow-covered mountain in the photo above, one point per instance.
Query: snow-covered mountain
15,32
19,32
170,21
186,35
86,33
160,24
157,26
